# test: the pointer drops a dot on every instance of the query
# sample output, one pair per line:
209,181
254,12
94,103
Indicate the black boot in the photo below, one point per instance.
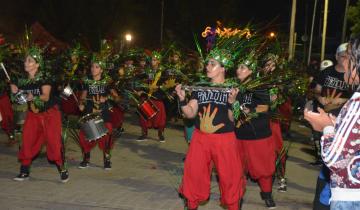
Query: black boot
143,136
241,201
86,160
161,136
64,173
24,173
107,162
269,201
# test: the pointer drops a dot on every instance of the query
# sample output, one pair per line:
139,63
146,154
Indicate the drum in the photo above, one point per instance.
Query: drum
93,126
147,109
20,111
20,97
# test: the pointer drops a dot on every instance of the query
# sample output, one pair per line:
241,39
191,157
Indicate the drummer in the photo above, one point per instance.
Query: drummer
43,120
95,99
156,97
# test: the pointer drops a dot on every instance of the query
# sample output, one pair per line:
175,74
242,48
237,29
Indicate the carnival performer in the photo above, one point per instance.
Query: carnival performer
95,99
252,129
156,96
6,112
173,72
278,103
72,81
213,141
43,120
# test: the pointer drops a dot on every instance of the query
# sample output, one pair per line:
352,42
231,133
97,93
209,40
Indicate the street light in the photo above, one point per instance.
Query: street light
272,34
128,37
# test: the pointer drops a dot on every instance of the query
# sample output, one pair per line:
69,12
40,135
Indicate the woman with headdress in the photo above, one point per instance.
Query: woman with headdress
278,104
252,129
73,67
156,96
213,141
43,119
95,98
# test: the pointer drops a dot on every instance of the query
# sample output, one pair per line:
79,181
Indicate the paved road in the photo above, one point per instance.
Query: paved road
145,176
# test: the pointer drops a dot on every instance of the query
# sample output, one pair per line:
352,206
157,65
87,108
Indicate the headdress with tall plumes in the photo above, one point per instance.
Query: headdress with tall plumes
156,54
36,53
250,60
28,48
103,55
76,50
227,44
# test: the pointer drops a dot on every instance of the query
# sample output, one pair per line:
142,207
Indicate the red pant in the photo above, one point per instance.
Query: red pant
117,117
219,149
70,106
276,134
279,144
40,128
158,121
7,114
285,111
258,157
105,143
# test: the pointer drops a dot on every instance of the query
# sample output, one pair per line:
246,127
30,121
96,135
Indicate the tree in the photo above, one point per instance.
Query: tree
354,17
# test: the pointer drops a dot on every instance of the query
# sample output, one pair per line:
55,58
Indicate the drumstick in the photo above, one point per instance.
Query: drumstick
3,67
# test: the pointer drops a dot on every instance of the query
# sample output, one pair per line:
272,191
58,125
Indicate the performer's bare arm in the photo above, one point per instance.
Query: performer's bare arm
82,100
191,109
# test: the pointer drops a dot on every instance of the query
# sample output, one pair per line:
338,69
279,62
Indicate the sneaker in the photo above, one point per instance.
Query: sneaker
283,186
161,139
107,164
84,164
142,138
21,177
270,203
64,176
161,136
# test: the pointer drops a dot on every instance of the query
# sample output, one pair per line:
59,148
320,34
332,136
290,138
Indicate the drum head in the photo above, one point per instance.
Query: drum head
88,117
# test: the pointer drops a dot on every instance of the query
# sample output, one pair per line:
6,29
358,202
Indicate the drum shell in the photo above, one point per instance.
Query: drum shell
20,111
147,109
93,127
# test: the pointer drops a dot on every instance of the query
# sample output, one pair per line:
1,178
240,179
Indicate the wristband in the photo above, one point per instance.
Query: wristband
229,106
182,103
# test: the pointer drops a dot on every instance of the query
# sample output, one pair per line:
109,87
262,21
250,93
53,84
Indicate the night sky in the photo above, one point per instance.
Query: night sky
96,19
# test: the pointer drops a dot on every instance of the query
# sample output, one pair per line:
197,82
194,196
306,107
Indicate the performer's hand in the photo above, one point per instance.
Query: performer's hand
206,121
102,99
179,92
29,97
81,107
232,95
319,120
14,88
273,97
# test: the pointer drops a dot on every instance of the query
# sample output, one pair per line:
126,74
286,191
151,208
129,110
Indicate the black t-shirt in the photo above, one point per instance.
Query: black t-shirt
332,80
94,91
34,87
216,99
257,127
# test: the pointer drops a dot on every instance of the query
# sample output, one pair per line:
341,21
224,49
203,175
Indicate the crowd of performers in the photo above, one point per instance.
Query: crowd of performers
233,102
